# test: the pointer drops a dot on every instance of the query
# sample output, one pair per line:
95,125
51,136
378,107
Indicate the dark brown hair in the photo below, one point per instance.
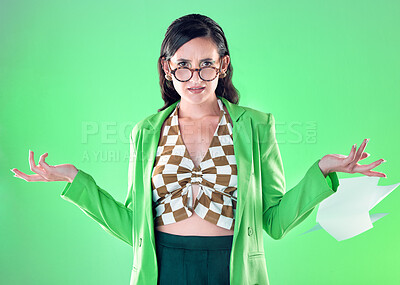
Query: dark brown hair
183,30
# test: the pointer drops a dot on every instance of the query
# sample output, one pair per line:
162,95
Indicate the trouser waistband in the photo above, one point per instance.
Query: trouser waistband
194,242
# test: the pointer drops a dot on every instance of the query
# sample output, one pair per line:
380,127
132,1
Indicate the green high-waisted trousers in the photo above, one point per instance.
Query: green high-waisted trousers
194,260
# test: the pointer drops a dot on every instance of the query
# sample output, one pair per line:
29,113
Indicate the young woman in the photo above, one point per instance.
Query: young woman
205,174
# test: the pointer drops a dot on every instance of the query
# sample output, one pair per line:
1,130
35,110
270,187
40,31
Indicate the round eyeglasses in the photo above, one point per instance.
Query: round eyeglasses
184,73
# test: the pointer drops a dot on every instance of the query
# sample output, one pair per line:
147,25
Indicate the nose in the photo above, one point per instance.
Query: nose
196,76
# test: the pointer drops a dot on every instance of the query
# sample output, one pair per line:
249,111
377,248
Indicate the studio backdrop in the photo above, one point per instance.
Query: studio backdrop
76,76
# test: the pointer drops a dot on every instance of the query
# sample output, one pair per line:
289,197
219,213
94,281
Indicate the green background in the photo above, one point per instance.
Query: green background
75,76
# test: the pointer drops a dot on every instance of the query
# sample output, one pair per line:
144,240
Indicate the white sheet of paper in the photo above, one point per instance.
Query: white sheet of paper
345,213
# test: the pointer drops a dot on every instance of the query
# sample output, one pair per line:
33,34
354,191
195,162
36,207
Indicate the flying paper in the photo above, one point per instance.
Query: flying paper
345,213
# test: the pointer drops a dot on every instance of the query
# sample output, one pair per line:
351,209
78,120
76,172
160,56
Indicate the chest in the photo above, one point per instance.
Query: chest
197,135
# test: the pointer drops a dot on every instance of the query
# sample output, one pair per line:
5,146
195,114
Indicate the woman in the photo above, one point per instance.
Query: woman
205,174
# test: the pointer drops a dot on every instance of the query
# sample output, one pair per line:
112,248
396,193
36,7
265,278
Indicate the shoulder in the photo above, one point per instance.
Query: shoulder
140,125
259,117
145,123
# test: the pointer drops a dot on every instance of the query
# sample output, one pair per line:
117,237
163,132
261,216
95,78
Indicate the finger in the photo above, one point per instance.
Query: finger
374,173
29,178
33,166
358,154
362,168
43,163
351,155
344,157
361,150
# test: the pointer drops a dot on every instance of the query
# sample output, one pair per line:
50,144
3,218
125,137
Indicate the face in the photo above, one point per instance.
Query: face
196,53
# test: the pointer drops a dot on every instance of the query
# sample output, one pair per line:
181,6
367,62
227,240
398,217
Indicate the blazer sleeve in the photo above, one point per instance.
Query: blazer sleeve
283,211
113,216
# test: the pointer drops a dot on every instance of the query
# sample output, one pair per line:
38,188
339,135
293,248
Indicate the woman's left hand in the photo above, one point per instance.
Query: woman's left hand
341,163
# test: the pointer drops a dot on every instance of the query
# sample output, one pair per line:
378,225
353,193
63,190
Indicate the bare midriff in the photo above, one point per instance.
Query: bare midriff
192,134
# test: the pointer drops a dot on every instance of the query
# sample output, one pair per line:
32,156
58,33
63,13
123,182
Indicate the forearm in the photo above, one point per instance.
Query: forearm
297,203
113,216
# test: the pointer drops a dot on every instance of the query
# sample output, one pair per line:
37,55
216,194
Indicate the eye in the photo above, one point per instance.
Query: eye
210,63
180,63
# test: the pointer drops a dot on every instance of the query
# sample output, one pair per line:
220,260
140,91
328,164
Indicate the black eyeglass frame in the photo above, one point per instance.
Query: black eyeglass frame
192,70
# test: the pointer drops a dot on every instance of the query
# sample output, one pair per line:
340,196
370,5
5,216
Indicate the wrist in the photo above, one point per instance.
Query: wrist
323,167
70,177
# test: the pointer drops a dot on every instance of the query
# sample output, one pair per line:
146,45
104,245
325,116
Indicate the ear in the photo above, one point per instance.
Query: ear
225,63
165,67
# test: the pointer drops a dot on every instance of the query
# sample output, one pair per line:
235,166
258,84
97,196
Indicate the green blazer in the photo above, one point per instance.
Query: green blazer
262,204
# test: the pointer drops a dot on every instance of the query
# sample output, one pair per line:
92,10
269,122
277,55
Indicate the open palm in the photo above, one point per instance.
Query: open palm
349,164
45,172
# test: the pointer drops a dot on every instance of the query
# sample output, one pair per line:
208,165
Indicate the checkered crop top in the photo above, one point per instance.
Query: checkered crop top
174,173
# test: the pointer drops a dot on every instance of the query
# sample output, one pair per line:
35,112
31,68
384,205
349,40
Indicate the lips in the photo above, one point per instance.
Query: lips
196,88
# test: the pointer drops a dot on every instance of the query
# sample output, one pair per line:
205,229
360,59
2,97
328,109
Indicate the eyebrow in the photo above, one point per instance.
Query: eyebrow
183,59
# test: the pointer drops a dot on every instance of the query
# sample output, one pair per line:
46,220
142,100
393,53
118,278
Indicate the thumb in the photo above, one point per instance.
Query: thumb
42,162
364,155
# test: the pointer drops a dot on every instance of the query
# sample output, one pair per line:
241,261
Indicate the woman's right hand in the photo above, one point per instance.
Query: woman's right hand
45,172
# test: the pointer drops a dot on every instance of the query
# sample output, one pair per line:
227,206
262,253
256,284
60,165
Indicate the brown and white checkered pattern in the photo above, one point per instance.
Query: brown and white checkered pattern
174,172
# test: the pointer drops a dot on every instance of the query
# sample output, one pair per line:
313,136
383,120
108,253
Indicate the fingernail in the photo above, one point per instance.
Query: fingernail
383,160
11,169
367,140
354,145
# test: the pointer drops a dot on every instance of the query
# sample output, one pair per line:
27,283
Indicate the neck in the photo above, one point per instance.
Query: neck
196,111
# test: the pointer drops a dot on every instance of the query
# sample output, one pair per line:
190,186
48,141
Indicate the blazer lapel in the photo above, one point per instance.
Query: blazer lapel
243,147
151,137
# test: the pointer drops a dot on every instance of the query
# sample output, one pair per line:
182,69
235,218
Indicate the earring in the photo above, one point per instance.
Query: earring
222,75
169,78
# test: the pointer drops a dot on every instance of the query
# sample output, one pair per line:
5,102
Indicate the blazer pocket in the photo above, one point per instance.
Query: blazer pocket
134,276
256,268
256,254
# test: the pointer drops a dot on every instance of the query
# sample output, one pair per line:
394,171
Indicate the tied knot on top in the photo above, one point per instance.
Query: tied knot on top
196,177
